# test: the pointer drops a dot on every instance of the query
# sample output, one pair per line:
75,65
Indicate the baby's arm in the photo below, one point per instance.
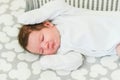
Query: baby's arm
70,61
47,12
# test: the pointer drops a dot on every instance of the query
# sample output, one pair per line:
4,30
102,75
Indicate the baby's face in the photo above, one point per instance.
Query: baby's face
45,41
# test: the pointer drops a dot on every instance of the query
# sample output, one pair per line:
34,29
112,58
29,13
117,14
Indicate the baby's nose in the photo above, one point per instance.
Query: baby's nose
45,45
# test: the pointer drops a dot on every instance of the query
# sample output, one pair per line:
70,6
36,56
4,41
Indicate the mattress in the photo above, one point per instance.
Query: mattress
17,64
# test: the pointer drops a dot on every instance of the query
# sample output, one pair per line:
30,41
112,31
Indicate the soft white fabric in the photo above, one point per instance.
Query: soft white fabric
48,11
68,62
91,33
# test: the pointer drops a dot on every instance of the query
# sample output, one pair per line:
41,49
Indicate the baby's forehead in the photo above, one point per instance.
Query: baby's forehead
33,43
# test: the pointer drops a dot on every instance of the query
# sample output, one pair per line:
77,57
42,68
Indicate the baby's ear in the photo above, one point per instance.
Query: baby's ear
48,24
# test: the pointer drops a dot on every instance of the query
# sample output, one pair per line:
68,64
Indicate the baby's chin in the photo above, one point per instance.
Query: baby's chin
50,53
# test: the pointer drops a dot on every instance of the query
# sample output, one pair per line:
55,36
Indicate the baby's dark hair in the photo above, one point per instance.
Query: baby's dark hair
25,31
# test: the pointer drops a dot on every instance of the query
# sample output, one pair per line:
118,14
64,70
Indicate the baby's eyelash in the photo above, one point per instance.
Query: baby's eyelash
42,38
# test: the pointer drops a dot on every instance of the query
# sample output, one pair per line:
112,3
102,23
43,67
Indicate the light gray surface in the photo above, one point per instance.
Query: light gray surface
16,64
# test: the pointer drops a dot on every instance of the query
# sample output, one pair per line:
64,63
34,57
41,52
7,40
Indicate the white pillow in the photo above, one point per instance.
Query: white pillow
47,12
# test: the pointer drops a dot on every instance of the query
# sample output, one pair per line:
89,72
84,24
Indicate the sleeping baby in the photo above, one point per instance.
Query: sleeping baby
62,34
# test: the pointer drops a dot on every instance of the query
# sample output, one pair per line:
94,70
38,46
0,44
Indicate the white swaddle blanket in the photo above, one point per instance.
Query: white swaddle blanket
89,31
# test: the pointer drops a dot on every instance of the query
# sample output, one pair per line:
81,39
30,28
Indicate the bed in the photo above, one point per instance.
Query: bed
17,64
